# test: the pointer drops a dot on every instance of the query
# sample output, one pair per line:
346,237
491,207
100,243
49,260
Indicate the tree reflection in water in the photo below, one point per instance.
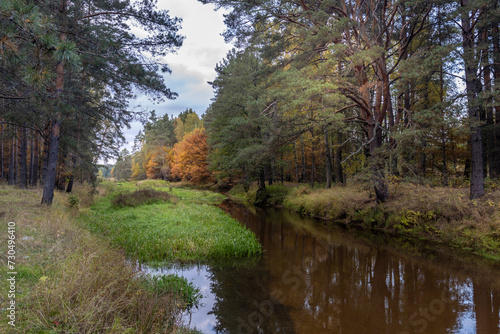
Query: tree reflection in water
311,280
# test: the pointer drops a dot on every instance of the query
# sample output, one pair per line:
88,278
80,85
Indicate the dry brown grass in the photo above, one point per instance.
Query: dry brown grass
435,213
334,203
69,280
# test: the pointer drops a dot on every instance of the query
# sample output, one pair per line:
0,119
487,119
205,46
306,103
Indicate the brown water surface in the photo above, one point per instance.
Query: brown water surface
313,280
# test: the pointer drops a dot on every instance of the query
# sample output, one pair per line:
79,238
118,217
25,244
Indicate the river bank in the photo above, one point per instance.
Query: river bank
68,280
68,277
154,222
437,214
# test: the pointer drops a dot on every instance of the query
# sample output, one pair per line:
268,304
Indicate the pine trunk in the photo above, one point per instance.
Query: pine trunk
303,171
23,162
50,177
36,159
328,158
297,177
32,157
70,184
313,167
12,164
377,167
1,153
495,171
339,172
45,160
476,178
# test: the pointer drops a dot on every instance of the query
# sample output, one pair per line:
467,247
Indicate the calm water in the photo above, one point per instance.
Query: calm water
313,281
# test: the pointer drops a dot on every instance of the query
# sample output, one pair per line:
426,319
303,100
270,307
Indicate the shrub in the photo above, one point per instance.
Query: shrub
140,197
277,193
94,290
73,201
178,286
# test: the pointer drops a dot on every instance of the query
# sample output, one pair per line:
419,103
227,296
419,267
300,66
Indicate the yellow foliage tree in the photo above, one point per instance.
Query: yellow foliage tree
157,166
189,160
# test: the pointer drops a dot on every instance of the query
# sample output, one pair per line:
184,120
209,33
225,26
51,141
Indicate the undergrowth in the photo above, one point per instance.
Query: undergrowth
276,194
71,281
439,213
188,230
140,197
189,293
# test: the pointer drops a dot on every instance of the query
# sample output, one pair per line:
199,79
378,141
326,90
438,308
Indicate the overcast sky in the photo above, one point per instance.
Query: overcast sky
193,64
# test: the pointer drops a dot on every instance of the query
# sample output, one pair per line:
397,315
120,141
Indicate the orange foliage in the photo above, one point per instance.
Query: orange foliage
157,166
190,158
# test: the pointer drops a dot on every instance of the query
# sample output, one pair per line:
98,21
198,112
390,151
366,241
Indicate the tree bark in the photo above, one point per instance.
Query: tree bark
1,154
23,162
35,161
303,171
489,134
377,166
69,188
270,178
50,177
476,179
45,153
328,158
313,167
32,155
12,164
495,171
55,128
297,177
339,172
262,178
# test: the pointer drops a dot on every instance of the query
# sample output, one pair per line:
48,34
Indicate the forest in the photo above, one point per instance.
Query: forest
348,164
320,92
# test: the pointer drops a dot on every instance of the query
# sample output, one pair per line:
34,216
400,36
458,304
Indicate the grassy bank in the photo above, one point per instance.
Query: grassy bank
70,281
185,226
439,214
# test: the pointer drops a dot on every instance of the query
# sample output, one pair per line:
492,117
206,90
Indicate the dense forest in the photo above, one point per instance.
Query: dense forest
316,91
68,71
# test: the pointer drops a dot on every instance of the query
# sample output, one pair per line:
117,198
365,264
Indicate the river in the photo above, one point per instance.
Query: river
314,280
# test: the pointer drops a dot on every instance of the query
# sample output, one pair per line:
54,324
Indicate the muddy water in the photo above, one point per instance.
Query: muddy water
311,280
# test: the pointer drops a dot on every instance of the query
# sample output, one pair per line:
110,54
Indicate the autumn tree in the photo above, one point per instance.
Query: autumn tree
353,42
189,158
158,166
83,65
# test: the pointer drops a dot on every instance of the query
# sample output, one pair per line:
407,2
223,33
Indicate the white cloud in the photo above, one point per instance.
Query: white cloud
193,64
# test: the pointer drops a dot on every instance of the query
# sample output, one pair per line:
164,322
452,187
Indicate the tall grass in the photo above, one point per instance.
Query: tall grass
109,188
140,197
179,286
183,231
276,194
334,203
438,213
70,281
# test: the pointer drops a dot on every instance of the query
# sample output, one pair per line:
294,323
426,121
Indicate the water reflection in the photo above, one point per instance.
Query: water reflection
315,281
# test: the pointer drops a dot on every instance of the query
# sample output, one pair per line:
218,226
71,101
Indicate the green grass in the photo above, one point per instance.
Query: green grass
276,192
179,286
444,215
188,230
183,194
71,281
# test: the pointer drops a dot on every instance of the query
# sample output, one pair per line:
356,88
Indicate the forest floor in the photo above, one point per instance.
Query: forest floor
180,225
442,215
70,280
